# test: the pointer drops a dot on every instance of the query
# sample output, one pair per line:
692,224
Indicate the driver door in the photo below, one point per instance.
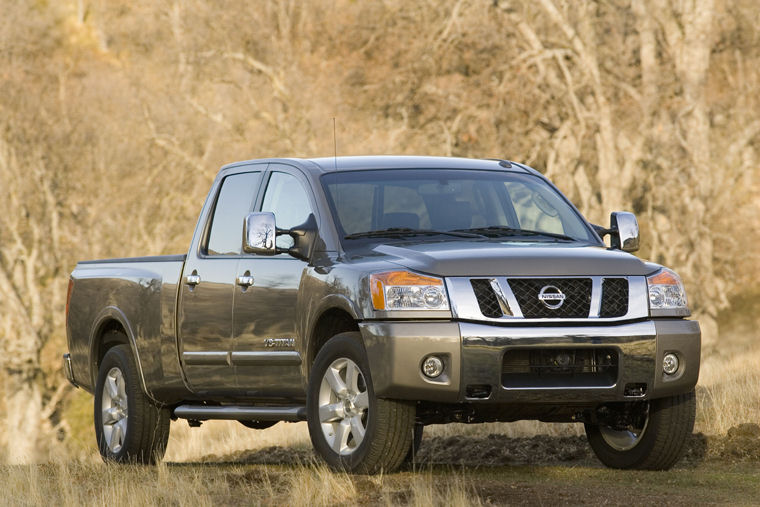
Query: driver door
207,290
266,347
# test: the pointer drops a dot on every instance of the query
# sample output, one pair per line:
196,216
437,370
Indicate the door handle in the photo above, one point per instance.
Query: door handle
245,280
193,280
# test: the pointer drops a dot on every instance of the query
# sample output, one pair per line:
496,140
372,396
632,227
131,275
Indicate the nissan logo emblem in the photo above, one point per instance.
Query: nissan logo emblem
551,297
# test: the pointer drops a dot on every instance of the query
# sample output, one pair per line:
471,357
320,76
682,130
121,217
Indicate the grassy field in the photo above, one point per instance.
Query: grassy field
74,484
225,463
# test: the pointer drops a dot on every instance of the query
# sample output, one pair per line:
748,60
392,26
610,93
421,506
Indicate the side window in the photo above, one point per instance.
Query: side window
289,201
233,204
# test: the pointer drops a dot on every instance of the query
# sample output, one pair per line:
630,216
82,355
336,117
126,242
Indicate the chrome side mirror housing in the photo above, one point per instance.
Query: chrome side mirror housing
259,233
625,227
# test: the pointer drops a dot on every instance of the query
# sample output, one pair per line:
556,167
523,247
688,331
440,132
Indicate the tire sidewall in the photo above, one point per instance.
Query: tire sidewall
344,345
641,455
120,357
622,459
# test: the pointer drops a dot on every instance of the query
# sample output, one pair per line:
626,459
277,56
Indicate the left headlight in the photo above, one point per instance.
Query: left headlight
666,292
404,290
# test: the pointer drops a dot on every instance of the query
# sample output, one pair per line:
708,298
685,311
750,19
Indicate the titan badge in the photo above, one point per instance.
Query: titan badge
280,342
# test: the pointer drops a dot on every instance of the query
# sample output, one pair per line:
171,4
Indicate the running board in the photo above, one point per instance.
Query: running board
240,413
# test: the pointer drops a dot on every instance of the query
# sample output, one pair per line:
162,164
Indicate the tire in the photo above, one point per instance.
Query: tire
356,432
129,427
657,445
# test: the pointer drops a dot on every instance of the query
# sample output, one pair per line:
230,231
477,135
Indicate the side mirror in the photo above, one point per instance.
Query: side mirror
305,239
259,232
627,228
623,231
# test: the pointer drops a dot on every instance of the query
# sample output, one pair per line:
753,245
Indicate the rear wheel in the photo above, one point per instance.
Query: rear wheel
648,436
350,427
129,427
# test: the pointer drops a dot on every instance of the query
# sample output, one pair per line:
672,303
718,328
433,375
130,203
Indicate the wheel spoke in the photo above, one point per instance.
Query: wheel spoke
331,413
336,383
116,438
352,377
121,385
113,389
357,429
123,425
362,401
111,415
342,430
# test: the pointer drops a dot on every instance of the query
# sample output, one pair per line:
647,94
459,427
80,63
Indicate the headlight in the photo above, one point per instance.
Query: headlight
666,291
404,290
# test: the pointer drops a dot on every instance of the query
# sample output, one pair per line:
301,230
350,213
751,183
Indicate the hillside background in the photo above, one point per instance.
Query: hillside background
116,115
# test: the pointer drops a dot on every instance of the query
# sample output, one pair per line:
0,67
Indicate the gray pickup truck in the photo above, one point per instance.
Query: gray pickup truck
371,296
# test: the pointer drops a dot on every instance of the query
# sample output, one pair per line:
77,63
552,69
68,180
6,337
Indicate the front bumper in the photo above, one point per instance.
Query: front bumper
473,355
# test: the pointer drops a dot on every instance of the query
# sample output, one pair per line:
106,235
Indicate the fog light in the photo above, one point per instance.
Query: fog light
670,363
432,366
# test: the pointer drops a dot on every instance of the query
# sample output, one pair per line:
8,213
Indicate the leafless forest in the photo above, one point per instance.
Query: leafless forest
115,116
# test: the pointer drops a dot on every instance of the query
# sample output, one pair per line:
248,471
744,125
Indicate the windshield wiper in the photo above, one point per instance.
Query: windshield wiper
406,231
503,230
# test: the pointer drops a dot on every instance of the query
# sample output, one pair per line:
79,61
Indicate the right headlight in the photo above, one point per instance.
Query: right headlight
666,292
405,290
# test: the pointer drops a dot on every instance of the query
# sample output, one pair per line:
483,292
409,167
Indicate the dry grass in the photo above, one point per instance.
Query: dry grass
80,483
223,438
728,393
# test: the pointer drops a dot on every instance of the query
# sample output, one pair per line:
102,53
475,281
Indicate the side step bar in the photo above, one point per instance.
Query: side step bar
240,413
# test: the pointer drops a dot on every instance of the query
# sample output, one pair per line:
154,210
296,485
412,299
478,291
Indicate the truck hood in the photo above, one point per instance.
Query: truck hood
471,258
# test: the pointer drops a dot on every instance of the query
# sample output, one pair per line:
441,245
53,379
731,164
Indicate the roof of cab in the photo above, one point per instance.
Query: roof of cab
331,164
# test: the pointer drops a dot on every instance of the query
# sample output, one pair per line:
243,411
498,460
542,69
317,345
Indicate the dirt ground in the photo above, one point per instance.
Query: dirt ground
740,445
454,470
544,470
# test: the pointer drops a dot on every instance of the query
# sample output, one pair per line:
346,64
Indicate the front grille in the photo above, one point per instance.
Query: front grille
576,304
584,367
614,297
489,305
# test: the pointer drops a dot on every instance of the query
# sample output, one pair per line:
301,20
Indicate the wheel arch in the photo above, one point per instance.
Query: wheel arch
331,321
111,319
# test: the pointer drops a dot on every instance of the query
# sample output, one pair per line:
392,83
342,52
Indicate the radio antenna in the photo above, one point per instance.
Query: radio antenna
335,146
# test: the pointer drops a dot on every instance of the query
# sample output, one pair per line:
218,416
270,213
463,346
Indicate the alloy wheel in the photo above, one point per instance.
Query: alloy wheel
343,406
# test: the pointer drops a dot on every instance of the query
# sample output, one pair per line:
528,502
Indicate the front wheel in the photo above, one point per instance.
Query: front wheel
653,437
349,427
129,427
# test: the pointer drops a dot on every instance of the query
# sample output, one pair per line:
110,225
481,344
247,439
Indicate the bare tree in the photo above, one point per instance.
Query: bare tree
115,117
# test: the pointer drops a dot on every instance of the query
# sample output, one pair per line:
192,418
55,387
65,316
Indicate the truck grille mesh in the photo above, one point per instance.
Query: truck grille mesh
614,297
577,303
577,291
489,305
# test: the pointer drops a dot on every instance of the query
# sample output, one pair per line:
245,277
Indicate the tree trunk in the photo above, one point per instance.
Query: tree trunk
23,396
688,29
23,406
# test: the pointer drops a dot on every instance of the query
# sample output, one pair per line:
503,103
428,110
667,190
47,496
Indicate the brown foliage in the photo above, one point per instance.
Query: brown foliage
114,117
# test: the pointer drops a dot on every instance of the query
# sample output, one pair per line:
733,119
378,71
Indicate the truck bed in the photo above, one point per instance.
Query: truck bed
141,294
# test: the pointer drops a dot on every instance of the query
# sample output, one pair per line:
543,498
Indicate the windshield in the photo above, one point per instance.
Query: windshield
429,202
